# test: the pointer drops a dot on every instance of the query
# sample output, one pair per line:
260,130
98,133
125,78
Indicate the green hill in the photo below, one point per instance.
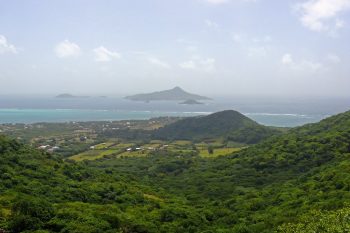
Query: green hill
229,124
296,182
281,182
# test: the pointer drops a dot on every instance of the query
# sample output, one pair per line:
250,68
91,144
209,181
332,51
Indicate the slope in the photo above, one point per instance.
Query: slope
264,186
229,124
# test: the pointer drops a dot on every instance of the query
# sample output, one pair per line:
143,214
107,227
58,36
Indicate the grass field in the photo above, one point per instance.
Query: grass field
181,143
104,145
139,153
94,154
122,146
118,149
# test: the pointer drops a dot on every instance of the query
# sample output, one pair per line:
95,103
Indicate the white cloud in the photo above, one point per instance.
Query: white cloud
207,64
321,15
67,49
264,39
246,39
238,38
102,54
157,62
339,23
188,65
333,58
303,65
257,52
200,64
211,24
191,48
287,59
6,47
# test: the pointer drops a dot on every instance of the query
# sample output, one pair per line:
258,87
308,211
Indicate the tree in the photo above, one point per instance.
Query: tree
211,150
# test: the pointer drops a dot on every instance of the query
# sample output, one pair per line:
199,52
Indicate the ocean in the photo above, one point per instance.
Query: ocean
267,111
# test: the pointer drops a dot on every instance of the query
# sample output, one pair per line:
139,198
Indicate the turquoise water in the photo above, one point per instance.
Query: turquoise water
272,112
65,115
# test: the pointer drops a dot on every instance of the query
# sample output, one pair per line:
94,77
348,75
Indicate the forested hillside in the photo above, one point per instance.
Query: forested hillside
286,184
227,124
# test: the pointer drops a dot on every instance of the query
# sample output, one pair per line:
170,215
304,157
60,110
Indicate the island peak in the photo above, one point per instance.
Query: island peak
174,94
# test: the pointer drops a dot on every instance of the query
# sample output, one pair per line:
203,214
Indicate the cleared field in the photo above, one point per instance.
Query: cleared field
182,151
139,153
154,146
181,143
218,152
104,145
122,146
94,154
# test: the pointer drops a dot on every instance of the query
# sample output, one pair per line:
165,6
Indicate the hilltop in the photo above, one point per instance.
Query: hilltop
175,94
230,124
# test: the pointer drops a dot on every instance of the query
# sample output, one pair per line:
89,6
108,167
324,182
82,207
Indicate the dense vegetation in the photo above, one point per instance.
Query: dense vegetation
295,182
228,124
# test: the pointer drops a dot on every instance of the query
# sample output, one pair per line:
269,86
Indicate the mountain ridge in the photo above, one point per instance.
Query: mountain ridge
174,94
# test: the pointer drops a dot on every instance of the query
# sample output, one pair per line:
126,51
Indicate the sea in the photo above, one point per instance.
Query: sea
280,112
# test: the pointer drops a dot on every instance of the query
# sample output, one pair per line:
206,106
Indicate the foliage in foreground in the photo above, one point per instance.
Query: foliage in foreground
264,188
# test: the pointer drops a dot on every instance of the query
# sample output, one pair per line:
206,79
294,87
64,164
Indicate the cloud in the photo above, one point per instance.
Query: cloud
198,63
264,39
6,47
157,62
304,65
287,59
102,54
188,65
67,49
237,37
321,15
211,24
257,52
332,58
240,38
192,48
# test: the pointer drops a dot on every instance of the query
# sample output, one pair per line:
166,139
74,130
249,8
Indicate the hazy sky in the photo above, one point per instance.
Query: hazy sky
213,47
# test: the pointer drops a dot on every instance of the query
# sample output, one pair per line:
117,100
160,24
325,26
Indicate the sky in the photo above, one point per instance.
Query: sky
276,48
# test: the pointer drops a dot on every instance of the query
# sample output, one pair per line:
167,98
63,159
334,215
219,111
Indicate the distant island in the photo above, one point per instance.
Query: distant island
191,102
70,96
175,94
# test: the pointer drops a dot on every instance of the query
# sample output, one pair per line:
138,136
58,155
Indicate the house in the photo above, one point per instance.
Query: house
44,147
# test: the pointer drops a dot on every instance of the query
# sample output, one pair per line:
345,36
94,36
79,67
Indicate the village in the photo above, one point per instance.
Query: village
80,141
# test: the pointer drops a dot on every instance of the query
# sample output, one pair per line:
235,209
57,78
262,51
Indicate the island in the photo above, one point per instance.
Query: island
70,96
191,102
175,94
